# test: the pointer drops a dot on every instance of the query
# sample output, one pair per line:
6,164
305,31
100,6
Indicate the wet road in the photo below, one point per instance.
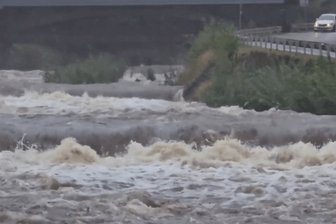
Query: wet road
321,37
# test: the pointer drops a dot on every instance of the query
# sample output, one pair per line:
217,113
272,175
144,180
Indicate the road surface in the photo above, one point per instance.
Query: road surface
323,37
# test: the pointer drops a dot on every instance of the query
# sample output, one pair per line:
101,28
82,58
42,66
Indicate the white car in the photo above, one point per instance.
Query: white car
326,22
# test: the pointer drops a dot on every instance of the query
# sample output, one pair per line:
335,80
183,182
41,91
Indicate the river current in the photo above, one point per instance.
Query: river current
136,152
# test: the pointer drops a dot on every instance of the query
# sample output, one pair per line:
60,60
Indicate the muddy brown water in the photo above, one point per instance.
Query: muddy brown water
137,153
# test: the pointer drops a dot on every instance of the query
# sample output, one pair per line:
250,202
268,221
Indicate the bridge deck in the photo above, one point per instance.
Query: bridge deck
129,2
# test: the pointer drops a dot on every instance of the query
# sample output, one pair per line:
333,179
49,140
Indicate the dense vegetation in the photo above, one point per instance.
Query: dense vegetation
260,80
64,68
99,69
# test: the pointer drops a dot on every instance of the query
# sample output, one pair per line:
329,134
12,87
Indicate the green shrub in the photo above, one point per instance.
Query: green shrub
216,36
284,87
99,69
258,80
211,53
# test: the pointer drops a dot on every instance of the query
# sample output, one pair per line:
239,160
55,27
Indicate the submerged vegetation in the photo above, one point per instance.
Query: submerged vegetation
96,69
65,68
257,79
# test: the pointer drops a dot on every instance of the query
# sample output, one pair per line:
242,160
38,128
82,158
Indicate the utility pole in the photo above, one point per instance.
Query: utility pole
305,11
305,4
240,14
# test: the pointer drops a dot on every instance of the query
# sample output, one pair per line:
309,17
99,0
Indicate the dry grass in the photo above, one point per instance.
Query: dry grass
200,92
197,67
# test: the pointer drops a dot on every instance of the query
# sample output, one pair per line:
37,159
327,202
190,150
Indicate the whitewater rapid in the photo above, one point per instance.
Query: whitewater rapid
79,158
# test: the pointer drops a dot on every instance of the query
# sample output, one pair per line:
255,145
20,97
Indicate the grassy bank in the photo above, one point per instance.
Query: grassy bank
256,78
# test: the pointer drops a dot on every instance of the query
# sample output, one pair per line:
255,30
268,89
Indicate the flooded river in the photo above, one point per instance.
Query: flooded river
136,152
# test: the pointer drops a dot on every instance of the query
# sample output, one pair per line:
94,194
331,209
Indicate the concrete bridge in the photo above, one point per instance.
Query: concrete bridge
132,2
119,26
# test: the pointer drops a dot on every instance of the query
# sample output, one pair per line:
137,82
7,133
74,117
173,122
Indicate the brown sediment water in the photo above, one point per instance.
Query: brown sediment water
81,158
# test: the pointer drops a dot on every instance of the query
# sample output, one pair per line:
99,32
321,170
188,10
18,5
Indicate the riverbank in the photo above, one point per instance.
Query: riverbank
221,72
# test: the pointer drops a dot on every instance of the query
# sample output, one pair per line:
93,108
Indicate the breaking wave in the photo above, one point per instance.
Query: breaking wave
223,153
138,153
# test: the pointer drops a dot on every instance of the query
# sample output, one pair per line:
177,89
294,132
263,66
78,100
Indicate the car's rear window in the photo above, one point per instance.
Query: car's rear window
327,17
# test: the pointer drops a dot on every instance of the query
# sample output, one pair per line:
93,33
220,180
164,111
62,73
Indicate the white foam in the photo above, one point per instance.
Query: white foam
140,73
62,103
245,176
227,174
35,76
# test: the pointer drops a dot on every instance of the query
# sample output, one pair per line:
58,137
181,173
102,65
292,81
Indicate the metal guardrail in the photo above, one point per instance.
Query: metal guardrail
38,3
302,27
261,37
260,31
276,29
